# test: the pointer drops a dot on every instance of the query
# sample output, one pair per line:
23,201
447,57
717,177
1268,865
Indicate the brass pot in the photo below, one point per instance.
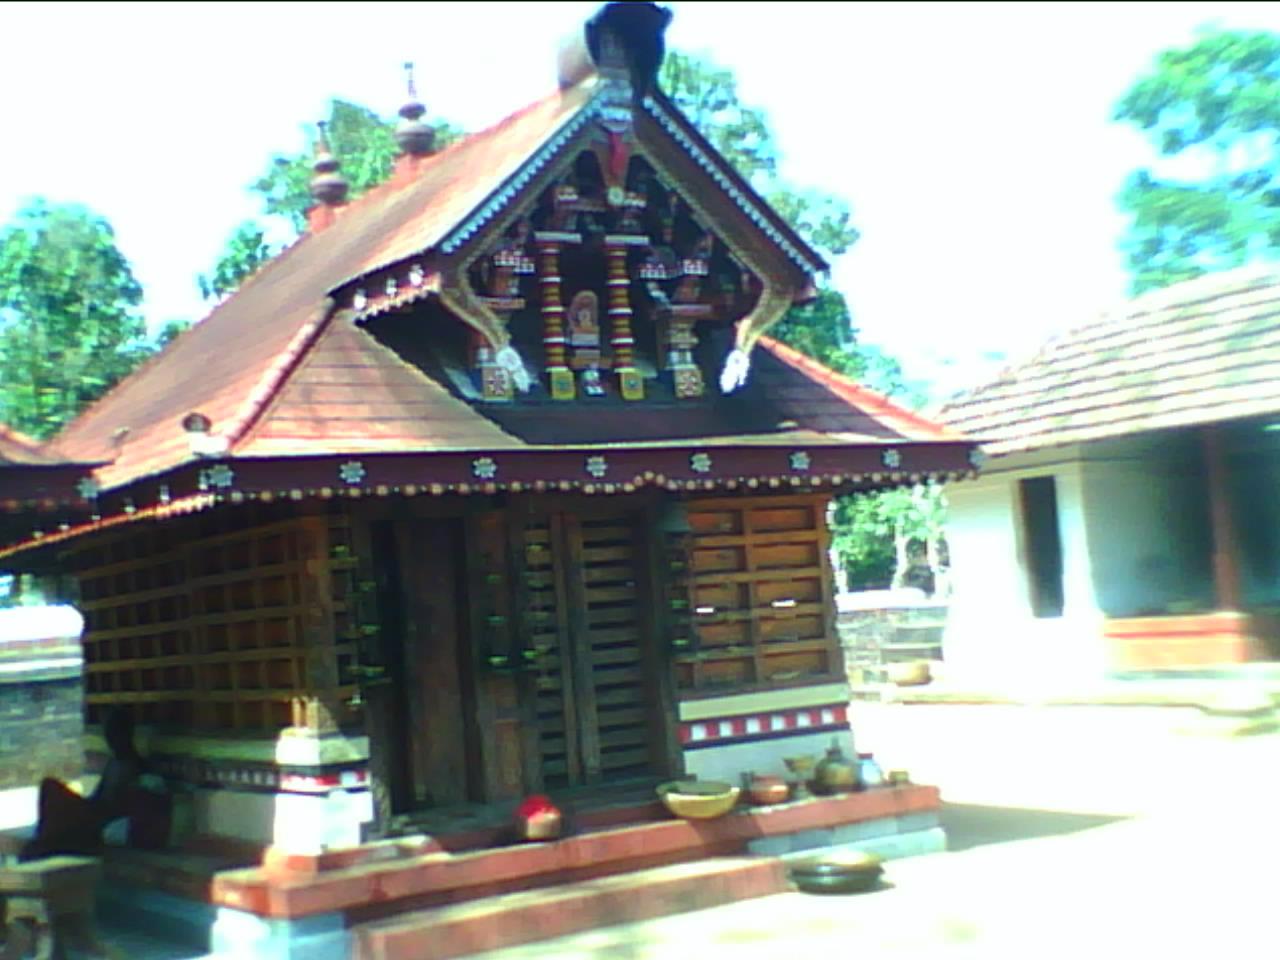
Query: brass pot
835,774
766,789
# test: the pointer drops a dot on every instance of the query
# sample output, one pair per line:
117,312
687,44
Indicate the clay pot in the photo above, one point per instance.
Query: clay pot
766,789
835,774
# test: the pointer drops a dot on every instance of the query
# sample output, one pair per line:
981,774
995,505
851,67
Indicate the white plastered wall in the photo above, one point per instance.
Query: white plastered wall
992,637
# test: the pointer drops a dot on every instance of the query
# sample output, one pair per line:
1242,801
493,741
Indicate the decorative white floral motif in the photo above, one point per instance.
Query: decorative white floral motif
800,461
977,457
352,472
129,508
165,496
597,466
360,300
484,468
218,477
390,286
700,463
891,459
416,275
87,488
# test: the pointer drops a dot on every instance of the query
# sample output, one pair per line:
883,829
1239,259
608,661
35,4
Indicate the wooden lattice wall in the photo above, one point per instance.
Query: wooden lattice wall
222,622
757,595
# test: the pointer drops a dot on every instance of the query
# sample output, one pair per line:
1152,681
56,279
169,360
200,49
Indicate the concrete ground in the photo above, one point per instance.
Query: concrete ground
1129,831
1074,831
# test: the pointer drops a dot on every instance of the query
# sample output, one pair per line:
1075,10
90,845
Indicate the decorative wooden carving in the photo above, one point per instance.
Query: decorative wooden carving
553,334
501,270
621,338
584,341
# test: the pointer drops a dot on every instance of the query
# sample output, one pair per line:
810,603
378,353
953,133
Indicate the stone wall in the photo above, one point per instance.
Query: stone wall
891,631
41,707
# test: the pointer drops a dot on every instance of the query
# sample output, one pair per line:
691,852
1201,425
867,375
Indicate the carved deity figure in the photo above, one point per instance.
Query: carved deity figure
584,340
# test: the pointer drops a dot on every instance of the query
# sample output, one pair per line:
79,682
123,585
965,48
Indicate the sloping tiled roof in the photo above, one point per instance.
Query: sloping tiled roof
17,449
280,372
1202,351
229,365
354,395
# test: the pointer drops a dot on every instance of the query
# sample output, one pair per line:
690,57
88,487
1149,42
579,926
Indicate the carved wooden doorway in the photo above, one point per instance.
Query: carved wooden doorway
593,694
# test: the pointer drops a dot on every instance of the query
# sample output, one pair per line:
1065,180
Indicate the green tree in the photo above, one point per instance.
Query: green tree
878,539
891,539
365,147
708,95
69,321
246,250
362,142
1215,106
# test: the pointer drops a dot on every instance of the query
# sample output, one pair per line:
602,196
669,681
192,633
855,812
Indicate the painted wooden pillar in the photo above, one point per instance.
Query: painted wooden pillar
320,708
1226,567
620,336
553,336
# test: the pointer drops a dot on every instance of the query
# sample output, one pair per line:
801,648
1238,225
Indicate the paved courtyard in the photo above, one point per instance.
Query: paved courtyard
1074,831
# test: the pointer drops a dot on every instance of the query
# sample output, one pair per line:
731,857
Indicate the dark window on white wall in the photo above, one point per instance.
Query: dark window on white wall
1043,544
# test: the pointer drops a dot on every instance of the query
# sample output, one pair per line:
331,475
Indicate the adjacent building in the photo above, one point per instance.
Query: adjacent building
1126,519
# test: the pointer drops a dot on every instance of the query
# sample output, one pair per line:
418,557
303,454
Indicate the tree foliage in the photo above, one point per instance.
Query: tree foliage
246,250
891,539
364,145
69,321
708,95
1214,108
879,539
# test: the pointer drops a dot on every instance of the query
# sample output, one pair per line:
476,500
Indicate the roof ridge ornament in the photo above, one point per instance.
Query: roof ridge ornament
622,40
328,186
414,137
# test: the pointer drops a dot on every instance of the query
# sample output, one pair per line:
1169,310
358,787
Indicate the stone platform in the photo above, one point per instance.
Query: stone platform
387,899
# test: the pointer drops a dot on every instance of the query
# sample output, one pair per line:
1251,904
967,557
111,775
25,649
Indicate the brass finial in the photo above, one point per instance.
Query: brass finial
328,185
414,136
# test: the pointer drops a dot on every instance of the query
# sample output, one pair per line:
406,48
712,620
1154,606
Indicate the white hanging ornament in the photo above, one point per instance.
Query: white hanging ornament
736,367
510,361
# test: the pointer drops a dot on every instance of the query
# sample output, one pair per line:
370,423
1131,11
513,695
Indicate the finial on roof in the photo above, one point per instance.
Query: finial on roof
414,136
624,40
328,185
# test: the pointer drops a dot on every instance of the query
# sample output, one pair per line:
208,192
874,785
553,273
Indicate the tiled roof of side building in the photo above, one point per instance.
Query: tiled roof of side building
1203,351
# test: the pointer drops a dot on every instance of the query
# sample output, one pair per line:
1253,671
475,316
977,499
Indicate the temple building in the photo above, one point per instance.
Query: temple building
491,484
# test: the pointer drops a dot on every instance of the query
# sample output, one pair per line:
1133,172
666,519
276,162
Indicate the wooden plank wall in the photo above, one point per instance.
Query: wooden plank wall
758,594
221,622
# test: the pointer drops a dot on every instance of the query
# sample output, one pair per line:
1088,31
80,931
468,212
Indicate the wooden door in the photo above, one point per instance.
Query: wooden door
590,690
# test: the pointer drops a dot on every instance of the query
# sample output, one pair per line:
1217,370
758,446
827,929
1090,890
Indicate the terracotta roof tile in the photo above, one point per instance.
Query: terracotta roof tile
823,389
279,372
19,449
353,395
229,366
1198,352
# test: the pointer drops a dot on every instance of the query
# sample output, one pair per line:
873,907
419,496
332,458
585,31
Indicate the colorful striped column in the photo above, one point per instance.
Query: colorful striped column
553,336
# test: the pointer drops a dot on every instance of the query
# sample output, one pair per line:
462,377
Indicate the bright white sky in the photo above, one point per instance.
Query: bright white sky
972,140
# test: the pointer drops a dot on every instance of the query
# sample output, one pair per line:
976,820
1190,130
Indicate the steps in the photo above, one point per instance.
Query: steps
512,919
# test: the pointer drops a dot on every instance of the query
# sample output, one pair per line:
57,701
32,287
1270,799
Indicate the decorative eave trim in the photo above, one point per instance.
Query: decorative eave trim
684,469
593,109
746,204
127,514
522,177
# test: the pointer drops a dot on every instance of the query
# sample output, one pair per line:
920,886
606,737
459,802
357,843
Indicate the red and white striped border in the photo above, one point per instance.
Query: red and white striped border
724,730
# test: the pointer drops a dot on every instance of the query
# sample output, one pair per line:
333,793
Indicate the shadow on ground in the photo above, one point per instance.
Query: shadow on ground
972,825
